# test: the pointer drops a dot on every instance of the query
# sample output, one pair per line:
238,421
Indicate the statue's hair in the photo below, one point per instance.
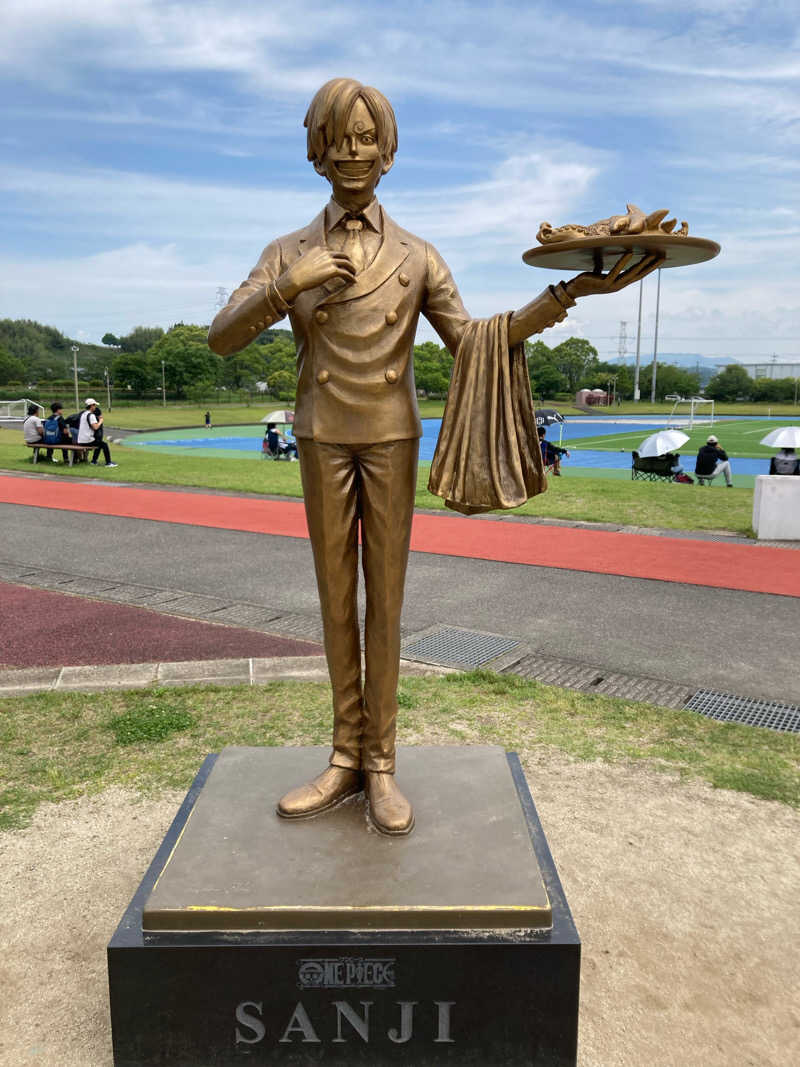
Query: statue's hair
326,119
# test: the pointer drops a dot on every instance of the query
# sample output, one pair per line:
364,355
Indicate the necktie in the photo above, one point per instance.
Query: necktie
353,245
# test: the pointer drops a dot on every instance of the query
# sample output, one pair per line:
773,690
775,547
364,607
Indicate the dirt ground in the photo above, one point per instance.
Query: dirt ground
686,898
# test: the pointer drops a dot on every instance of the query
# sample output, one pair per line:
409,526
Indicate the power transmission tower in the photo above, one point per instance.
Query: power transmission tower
222,298
622,347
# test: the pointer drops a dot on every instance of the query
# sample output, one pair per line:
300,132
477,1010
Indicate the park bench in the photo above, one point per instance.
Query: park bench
73,450
652,468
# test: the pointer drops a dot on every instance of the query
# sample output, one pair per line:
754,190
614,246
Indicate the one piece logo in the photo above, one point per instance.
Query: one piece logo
346,972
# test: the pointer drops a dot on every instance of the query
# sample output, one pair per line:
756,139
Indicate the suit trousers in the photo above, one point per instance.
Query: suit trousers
347,488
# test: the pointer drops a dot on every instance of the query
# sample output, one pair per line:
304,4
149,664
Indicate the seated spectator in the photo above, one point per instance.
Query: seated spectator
32,428
711,461
786,462
551,454
56,429
675,467
90,431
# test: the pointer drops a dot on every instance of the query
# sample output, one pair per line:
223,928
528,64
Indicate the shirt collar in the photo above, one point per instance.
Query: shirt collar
334,213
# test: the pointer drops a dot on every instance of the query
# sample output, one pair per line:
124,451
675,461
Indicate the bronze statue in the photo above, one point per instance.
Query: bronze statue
353,284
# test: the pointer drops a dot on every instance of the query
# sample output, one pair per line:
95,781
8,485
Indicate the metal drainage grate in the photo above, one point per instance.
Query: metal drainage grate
747,710
458,648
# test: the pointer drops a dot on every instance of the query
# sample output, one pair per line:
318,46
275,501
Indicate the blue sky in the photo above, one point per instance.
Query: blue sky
149,149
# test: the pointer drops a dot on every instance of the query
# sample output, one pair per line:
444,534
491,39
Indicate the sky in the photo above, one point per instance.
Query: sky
149,150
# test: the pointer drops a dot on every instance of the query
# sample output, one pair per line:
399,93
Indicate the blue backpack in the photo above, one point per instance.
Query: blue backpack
52,431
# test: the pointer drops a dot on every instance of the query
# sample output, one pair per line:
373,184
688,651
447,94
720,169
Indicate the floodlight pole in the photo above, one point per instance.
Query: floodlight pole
108,387
655,343
76,350
636,393
163,386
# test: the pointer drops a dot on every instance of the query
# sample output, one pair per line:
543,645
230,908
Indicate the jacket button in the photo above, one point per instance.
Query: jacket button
322,377
403,279
252,329
391,318
321,317
391,376
260,324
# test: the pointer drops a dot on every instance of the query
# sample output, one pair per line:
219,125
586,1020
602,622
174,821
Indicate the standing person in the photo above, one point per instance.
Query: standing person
712,460
90,431
208,420
551,454
353,284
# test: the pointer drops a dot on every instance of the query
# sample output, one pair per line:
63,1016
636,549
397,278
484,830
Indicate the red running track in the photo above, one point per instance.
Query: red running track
754,568
41,626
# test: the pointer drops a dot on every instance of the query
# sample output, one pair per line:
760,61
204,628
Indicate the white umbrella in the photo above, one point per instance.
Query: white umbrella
783,437
658,444
284,417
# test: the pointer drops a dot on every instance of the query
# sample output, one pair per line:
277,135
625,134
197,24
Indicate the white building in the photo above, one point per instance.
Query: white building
770,368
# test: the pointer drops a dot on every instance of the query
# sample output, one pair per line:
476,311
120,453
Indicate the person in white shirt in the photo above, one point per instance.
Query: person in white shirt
32,429
90,431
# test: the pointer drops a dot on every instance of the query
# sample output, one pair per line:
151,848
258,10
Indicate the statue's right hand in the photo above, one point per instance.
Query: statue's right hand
314,267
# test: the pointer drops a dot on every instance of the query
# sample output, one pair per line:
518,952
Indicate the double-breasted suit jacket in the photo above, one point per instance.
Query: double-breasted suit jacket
357,425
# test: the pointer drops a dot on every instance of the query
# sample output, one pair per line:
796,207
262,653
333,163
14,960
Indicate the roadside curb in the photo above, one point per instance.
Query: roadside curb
106,678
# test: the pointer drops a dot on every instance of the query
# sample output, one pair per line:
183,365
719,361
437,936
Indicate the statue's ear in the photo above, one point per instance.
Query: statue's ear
319,168
387,165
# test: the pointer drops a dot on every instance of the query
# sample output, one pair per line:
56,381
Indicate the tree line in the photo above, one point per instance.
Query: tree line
33,355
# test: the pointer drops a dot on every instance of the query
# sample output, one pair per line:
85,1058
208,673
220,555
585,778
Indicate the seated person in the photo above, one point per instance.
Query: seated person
288,445
675,465
56,428
551,454
32,428
711,461
786,462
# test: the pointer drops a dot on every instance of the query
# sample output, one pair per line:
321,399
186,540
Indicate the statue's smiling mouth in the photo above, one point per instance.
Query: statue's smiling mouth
354,168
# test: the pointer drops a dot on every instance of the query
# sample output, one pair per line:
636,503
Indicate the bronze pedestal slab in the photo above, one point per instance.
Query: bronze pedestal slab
469,865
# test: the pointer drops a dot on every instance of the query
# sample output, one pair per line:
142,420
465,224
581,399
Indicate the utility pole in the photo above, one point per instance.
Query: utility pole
108,387
163,386
655,343
75,351
636,393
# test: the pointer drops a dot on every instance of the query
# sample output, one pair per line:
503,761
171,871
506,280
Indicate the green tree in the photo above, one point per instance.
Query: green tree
11,369
110,339
243,369
669,379
140,339
186,357
282,384
774,390
731,383
432,368
132,370
576,359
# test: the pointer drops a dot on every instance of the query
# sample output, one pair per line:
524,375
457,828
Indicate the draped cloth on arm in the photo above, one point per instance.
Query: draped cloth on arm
488,455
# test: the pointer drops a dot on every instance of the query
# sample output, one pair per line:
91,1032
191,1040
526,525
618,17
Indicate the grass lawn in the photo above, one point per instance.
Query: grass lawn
588,499
59,745
740,438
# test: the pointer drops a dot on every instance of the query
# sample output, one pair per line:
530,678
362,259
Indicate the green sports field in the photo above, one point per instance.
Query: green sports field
738,438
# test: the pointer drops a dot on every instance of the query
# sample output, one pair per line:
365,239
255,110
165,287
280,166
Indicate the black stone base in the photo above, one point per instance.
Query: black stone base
374,997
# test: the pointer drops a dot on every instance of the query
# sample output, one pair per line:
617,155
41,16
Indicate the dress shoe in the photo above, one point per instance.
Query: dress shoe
330,788
389,810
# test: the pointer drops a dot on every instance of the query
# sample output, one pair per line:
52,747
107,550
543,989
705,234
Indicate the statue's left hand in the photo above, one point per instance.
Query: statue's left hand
618,277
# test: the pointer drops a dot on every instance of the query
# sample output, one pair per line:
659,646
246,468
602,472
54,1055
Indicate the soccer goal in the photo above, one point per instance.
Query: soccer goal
17,409
694,402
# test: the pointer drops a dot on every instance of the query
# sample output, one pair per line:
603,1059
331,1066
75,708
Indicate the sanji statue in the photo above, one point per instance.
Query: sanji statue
354,284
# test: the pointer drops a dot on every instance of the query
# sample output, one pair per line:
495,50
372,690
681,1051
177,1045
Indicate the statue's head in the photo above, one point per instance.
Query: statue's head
352,137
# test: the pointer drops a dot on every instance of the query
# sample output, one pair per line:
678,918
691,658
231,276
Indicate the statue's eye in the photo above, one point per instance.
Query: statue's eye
367,138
